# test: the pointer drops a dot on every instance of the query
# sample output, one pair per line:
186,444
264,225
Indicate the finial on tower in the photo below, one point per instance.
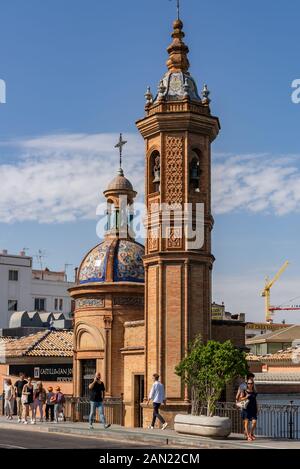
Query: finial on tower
178,50
120,145
205,93
178,9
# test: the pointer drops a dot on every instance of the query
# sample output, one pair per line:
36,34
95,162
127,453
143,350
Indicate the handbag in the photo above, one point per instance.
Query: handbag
24,399
242,404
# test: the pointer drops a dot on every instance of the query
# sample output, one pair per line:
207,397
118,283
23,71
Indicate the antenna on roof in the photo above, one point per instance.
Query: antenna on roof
39,257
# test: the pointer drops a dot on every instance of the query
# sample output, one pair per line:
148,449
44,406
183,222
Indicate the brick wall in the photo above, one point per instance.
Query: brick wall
223,330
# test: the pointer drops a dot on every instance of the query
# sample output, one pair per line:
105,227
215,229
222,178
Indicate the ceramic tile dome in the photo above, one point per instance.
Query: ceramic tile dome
121,260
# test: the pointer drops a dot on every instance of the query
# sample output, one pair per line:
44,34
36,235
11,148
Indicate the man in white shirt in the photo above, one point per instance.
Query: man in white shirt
157,395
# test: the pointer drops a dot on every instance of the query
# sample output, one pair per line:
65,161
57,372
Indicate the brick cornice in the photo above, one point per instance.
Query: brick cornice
179,122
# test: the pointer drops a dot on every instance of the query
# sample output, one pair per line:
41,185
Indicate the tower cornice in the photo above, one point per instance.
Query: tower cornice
179,122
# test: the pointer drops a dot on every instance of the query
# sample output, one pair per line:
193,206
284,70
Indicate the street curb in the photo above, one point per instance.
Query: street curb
120,434
177,440
117,434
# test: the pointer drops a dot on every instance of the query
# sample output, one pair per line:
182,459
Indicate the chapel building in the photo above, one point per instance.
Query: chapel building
137,309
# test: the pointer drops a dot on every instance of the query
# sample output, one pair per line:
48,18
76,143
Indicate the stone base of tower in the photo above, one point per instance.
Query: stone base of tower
168,412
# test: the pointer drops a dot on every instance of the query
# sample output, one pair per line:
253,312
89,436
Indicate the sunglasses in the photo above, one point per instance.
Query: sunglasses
250,382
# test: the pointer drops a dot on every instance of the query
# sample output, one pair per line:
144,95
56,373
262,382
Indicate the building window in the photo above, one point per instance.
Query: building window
154,183
13,275
195,171
12,305
58,304
40,304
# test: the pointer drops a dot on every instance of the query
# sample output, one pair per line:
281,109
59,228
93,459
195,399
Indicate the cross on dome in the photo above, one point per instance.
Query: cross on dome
120,145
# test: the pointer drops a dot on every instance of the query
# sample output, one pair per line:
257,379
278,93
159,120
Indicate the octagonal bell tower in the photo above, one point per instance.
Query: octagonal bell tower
178,130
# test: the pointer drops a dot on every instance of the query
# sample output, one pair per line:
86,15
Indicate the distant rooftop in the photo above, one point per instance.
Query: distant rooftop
41,344
288,355
280,378
266,325
22,253
285,334
47,274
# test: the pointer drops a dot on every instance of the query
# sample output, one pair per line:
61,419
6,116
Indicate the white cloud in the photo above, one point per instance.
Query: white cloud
256,183
60,178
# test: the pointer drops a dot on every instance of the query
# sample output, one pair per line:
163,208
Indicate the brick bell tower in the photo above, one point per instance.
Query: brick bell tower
178,130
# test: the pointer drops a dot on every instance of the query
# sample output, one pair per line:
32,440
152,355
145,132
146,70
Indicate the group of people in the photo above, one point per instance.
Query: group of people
32,399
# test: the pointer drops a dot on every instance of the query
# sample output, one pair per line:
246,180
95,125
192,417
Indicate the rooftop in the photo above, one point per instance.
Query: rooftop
266,325
289,354
287,334
42,344
281,378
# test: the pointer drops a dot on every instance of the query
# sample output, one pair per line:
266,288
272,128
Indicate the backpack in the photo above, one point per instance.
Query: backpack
60,398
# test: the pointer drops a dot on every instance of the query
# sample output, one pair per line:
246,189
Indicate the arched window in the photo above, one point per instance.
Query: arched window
154,173
195,171
109,212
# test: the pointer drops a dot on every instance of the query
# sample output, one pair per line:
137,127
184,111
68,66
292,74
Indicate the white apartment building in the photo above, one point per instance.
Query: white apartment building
23,288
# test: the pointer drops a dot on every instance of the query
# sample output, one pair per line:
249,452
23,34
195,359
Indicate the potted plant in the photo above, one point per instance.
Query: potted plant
206,370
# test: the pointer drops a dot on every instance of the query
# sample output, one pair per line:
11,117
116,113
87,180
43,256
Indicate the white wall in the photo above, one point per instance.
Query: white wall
14,290
50,289
26,289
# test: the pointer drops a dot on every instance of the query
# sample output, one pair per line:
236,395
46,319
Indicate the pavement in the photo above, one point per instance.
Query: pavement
29,439
130,437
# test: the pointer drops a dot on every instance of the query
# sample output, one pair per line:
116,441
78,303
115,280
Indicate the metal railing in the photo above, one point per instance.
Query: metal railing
276,421
77,409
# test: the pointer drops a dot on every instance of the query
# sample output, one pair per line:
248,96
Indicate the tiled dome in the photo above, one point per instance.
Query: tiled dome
117,260
178,85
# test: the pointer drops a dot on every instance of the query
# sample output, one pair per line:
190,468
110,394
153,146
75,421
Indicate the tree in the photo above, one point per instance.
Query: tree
207,369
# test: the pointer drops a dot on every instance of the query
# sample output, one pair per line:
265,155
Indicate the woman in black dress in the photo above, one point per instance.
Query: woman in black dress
250,413
27,400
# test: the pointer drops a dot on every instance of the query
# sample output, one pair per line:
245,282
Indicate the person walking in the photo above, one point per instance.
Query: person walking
9,399
50,396
27,401
39,399
97,394
59,401
157,395
249,412
19,385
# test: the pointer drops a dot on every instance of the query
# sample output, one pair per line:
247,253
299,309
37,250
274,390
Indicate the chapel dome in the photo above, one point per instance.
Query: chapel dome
113,260
120,182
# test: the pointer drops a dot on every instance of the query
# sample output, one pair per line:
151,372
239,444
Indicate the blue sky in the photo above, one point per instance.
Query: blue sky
76,73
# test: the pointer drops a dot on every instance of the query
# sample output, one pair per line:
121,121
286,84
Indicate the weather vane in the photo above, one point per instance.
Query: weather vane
178,8
120,145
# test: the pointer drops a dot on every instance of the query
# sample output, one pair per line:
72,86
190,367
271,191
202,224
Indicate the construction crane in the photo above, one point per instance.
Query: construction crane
266,293
288,306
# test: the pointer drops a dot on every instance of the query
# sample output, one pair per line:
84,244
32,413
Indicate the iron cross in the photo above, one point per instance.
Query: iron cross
120,145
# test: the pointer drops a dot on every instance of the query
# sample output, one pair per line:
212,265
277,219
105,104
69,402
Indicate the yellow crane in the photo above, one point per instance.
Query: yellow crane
266,291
